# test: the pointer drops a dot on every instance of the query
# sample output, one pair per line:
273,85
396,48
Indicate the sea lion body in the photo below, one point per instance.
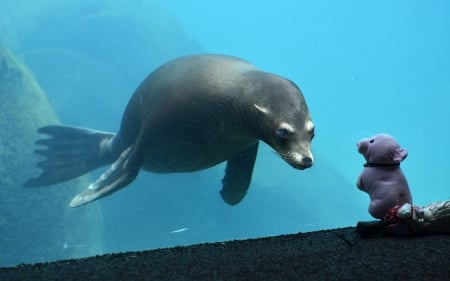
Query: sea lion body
182,122
189,114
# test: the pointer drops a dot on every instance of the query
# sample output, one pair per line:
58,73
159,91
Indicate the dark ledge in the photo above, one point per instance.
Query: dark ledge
338,254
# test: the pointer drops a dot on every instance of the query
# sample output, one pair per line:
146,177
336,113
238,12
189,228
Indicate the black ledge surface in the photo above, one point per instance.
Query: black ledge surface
338,254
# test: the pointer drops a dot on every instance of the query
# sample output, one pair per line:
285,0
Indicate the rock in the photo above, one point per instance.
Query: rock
36,224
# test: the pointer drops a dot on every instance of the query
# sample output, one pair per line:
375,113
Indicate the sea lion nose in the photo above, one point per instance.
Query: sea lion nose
306,162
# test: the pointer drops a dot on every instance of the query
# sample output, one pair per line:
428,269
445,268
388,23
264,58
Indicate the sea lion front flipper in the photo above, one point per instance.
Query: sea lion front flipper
238,175
119,175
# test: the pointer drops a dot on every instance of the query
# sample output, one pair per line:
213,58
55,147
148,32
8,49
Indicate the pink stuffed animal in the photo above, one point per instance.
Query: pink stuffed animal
382,177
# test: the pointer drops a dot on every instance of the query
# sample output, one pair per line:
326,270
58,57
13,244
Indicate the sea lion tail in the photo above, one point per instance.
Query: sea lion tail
70,152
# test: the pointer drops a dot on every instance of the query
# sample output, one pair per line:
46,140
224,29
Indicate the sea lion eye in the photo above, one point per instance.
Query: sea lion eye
283,133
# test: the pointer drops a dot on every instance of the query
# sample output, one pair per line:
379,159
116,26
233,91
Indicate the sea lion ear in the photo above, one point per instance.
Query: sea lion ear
261,109
400,155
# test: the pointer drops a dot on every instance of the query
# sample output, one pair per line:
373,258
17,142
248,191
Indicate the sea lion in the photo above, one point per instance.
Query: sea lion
189,114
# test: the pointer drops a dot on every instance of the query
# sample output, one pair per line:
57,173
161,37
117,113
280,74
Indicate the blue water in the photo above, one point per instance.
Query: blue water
365,67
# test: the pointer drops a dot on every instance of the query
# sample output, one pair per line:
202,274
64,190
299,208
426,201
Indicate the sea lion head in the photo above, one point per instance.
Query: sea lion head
287,124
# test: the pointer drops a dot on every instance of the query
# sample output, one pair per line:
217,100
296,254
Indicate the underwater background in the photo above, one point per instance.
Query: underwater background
364,67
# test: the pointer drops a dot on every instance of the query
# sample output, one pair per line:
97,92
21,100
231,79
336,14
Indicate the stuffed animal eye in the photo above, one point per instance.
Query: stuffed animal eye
372,140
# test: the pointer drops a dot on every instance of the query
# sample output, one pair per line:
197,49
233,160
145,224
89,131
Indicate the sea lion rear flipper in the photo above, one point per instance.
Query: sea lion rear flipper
119,175
238,175
69,152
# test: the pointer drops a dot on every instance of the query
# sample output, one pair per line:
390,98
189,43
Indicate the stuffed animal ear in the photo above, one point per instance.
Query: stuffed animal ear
400,155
